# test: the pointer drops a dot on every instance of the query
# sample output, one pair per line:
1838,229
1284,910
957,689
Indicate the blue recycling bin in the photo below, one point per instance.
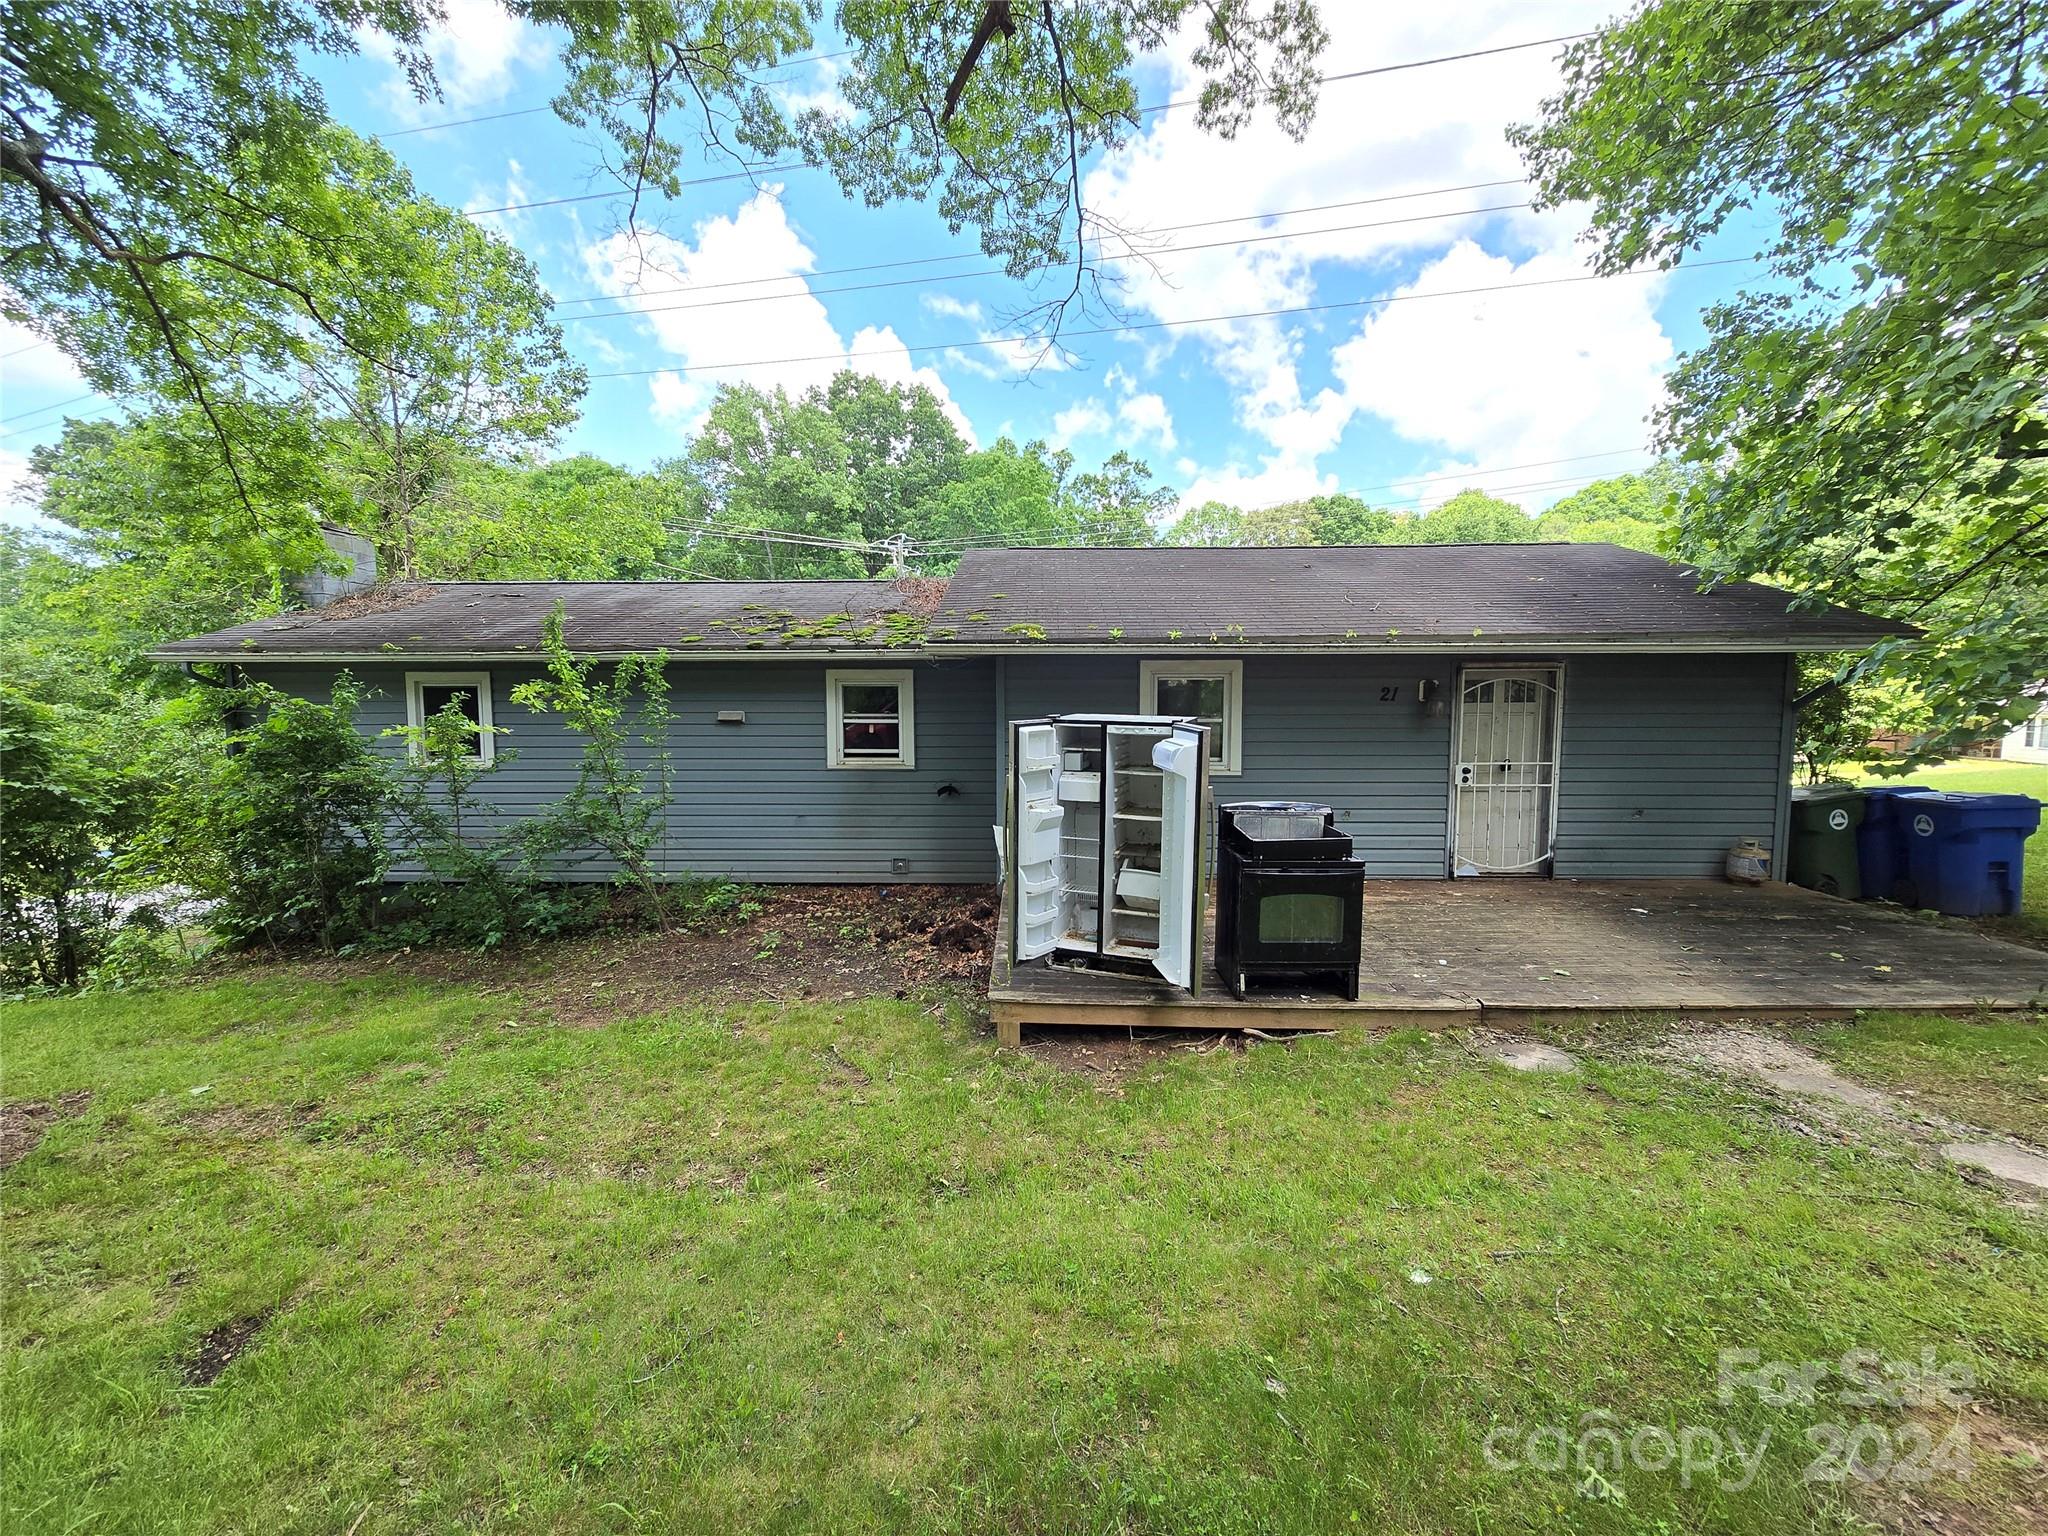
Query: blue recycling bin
1964,851
1881,844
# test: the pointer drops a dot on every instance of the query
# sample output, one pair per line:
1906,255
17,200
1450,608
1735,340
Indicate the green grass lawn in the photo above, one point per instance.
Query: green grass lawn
851,1267
1990,1071
1986,776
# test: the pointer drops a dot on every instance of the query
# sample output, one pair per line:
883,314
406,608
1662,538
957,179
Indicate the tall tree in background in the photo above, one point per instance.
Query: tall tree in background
181,215
1874,425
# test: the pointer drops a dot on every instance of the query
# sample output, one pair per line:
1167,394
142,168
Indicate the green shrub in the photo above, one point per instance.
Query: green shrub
619,807
68,796
286,828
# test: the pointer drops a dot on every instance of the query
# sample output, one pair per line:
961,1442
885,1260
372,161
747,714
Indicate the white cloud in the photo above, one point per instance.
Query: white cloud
754,243
16,506
33,364
1280,477
1146,416
946,304
511,192
1532,378
1084,418
1512,378
478,49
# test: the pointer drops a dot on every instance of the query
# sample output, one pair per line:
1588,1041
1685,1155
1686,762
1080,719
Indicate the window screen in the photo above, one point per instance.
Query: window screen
871,720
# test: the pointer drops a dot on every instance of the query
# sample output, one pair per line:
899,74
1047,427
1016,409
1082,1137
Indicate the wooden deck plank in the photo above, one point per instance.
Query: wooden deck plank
1442,952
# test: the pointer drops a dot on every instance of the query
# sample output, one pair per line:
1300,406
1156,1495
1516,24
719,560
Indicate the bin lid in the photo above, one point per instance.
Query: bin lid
1961,811
1958,798
1826,792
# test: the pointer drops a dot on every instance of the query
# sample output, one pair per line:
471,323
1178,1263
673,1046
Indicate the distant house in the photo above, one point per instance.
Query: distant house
1528,709
2027,742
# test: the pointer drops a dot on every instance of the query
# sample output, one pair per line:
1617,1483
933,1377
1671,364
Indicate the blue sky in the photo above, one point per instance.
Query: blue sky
1526,390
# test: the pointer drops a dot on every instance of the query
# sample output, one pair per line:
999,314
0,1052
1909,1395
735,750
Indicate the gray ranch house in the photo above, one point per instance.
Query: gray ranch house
1573,710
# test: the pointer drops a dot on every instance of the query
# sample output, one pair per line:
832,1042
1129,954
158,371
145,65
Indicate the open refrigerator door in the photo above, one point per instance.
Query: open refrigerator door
1035,864
1178,760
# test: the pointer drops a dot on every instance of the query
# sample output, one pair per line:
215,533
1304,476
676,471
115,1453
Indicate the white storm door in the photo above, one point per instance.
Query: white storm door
1505,783
1179,761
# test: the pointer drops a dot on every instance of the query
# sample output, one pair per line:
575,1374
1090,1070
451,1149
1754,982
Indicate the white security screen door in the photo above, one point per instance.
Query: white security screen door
1505,775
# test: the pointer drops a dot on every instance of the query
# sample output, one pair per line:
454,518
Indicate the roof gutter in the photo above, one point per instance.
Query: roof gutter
1417,645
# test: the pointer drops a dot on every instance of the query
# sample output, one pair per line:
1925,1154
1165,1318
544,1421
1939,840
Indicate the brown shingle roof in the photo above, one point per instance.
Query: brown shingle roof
1355,597
494,618
1379,595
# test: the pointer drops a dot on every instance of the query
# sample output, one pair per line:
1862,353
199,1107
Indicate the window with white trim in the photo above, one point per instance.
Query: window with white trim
870,719
1209,691
2037,730
428,693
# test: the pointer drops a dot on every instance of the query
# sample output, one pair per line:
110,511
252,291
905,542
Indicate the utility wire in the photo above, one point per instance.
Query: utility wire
1154,325
926,261
1164,106
498,117
948,277
58,406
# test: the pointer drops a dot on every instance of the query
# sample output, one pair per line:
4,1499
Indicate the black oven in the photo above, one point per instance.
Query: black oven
1289,897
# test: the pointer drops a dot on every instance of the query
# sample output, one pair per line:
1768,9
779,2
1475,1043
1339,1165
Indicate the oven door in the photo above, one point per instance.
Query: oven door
1302,915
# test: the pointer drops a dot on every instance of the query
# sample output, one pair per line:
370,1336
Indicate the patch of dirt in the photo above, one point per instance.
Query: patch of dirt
806,942
1824,1104
23,1122
221,1348
2005,1493
818,942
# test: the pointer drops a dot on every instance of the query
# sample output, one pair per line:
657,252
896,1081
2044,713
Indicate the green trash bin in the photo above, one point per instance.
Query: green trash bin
1824,822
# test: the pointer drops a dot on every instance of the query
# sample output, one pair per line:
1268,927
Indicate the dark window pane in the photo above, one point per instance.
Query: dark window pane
1200,697
875,738
435,697
868,699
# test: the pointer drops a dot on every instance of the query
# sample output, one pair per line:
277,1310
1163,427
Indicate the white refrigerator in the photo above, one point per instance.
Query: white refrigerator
1105,841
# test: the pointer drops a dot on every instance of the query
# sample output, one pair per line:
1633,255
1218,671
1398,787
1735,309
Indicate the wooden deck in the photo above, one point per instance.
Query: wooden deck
1516,951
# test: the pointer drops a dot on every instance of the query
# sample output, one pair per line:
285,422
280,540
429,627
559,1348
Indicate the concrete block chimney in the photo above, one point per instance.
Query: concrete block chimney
354,562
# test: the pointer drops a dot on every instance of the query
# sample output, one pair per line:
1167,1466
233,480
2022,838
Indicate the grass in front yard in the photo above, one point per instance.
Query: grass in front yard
1976,775
1991,1070
850,1267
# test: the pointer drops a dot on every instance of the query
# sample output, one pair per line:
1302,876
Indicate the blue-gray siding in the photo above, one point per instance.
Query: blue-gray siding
1664,759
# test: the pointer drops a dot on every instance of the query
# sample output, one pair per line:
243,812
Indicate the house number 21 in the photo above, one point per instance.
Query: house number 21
1390,693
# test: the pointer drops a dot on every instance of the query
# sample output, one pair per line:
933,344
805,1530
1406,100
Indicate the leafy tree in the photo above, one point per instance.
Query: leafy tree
1115,505
181,213
1002,494
469,369
157,547
1347,520
1215,522
288,830
1637,511
619,805
576,519
67,798
1871,424
1470,517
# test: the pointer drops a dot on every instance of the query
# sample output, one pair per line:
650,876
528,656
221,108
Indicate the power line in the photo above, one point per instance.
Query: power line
926,261
58,406
498,117
1154,325
1388,69
947,277
1164,106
